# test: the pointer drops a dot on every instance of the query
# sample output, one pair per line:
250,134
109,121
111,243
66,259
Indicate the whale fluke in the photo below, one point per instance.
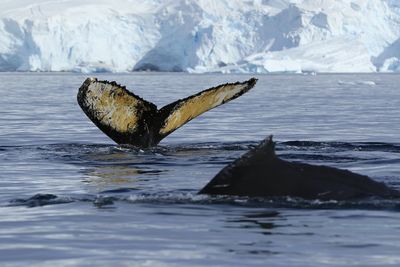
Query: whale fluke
128,119
260,173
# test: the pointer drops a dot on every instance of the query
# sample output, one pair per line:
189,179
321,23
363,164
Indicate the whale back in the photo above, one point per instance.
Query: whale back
260,173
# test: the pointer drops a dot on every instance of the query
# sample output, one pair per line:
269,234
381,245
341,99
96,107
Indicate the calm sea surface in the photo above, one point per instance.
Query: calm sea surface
69,196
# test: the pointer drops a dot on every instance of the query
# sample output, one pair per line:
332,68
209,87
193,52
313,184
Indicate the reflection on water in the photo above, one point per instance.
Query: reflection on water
104,176
117,169
265,221
105,166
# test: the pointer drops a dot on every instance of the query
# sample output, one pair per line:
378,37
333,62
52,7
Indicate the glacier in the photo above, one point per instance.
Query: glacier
227,36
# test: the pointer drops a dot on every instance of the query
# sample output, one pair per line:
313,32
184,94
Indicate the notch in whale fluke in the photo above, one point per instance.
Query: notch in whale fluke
128,119
260,173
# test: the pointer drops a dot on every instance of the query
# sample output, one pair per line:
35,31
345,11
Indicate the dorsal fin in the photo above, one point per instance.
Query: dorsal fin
265,150
128,119
259,155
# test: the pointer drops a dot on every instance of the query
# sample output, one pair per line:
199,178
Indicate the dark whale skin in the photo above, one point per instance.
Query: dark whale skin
260,173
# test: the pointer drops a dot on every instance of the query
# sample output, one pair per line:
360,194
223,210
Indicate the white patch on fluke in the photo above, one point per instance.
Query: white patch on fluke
198,104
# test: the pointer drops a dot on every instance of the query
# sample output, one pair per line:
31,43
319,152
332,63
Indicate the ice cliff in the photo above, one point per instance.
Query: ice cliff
200,35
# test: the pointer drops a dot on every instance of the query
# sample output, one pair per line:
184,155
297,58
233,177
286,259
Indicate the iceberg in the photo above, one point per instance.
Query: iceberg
227,36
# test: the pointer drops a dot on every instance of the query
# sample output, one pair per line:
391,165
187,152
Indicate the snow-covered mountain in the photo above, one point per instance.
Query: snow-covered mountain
200,35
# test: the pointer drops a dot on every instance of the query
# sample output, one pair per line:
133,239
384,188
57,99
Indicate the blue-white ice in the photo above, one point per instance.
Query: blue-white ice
200,35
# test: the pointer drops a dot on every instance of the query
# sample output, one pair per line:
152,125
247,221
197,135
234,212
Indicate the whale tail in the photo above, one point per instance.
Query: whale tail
128,119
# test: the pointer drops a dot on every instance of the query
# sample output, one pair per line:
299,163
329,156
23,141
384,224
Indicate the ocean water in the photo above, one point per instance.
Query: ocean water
71,197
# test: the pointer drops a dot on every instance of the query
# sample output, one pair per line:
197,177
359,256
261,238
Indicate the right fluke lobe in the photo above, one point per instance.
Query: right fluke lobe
128,119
